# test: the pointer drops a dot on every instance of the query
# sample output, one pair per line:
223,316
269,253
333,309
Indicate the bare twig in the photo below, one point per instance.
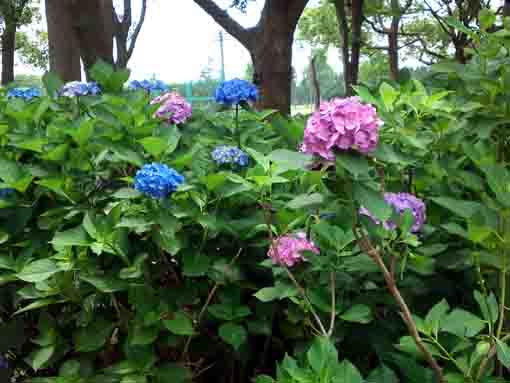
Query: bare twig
365,245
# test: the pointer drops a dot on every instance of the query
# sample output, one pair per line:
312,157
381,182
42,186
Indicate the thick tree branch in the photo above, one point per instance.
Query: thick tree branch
228,23
138,28
296,8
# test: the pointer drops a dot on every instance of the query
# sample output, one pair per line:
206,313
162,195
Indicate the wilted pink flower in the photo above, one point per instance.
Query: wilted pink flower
342,124
286,250
173,107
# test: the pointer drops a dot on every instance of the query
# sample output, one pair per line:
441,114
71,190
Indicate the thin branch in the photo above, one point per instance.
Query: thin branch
333,303
366,246
440,20
137,30
221,16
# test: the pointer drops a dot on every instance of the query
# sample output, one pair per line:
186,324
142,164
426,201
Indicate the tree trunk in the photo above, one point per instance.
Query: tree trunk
315,83
93,22
272,53
357,20
393,53
64,48
343,28
506,9
8,48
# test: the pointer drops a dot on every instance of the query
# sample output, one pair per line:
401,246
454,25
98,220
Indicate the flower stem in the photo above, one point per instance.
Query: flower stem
238,133
332,277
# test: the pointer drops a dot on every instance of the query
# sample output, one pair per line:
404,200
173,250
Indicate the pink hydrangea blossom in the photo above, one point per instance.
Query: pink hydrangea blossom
173,107
342,124
287,250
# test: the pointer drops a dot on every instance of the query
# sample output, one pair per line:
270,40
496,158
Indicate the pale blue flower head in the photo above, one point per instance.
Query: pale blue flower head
224,154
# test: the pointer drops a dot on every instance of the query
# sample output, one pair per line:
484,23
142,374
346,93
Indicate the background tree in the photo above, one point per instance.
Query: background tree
33,49
126,32
14,13
88,30
269,44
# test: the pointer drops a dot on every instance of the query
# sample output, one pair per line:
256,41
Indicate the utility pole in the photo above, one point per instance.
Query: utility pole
222,52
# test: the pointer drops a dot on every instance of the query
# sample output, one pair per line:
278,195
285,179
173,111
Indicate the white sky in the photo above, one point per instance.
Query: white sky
178,40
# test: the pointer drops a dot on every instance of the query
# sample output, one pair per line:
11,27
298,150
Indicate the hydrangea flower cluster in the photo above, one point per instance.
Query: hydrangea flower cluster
224,154
235,91
401,202
157,180
148,85
77,88
26,94
342,124
173,107
287,250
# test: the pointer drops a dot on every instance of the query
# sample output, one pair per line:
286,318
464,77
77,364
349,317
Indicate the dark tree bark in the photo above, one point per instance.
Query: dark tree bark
79,29
269,44
315,83
350,38
121,27
8,49
93,23
506,9
64,52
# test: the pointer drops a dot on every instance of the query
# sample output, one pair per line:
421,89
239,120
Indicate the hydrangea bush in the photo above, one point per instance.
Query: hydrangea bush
129,255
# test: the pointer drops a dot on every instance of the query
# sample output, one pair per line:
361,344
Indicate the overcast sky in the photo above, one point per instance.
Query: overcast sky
178,40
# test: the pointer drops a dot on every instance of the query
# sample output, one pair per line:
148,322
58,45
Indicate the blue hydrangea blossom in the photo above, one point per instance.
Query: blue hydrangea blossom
26,94
230,155
76,88
157,180
235,91
148,85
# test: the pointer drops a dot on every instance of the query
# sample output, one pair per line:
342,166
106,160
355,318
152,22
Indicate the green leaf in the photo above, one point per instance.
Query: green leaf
14,175
348,373
72,237
233,334
38,271
154,145
305,201
179,325
388,95
70,368
41,356
436,315
322,355
142,335
127,155
105,284
355,164
462,323
39,304
487,18
488,306
127,193
464,209
289,160
52,83
92,337
174,373
358,313
498,178
195,265
279,291
382,374
373,201
503,352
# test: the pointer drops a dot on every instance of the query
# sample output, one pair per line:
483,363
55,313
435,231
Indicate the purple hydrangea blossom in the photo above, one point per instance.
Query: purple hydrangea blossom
157,180
173,107
287,250
401,202
342,124
236,91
